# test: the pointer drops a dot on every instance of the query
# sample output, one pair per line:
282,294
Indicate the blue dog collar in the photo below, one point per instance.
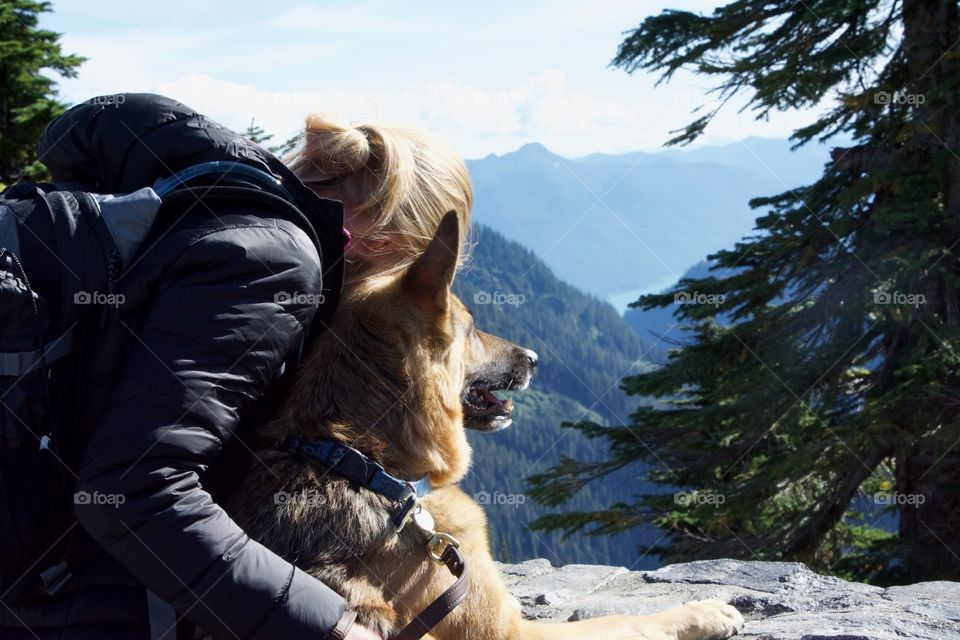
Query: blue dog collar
356,467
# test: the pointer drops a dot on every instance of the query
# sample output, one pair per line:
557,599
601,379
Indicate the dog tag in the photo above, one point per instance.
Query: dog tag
424,520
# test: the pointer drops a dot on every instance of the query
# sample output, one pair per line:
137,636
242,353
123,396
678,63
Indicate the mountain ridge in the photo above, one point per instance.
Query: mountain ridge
554,237
649,215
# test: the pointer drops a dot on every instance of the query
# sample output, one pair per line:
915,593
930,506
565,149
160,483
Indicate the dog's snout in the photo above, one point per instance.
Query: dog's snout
532,357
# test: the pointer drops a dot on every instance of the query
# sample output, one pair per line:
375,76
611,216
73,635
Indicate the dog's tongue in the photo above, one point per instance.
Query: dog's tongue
504,405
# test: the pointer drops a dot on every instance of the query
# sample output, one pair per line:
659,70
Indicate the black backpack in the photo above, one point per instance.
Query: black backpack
61,254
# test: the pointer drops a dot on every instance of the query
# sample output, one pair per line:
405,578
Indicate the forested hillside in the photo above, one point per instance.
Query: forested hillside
660,326
585,348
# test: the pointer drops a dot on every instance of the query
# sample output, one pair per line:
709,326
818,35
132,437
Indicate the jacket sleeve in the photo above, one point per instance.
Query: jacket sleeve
214,338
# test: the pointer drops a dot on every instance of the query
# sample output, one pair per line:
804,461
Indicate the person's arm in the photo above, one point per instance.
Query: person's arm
212,342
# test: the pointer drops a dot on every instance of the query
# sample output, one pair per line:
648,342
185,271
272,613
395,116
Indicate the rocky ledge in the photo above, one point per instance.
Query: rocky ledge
780,600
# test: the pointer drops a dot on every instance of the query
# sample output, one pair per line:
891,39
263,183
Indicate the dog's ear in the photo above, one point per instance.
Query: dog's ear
428,280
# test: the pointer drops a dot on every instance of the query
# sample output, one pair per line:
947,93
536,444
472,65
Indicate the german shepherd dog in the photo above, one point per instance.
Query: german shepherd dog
398,375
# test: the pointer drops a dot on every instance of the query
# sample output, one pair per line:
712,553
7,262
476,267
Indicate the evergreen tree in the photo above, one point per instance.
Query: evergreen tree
257,134
27,97
818,387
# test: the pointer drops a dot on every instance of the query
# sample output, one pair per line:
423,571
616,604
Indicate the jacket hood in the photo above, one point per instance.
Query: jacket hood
124,142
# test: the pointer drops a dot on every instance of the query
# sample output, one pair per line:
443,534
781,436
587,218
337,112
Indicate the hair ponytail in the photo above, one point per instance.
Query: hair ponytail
405,180
330,150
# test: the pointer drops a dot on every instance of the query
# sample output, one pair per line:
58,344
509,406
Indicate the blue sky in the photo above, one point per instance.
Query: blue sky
489,76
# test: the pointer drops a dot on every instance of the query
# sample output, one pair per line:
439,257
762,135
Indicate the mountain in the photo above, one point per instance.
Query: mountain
585,349
771,157
555,237
658,326
584,345
616,225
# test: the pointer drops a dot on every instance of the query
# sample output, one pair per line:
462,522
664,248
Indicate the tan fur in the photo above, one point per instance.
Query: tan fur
387,378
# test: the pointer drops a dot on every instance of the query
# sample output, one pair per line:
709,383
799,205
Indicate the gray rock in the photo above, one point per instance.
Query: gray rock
566,584
780,600
940,599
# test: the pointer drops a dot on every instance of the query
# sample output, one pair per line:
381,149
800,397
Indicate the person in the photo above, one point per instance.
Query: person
221,295
395,184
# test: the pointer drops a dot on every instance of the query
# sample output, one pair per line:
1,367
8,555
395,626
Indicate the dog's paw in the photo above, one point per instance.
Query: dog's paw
706,620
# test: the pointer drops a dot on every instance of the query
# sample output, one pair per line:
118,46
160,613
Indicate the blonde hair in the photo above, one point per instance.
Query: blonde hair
403,179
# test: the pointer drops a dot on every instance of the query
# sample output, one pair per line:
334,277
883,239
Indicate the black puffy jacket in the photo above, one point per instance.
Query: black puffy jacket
177,375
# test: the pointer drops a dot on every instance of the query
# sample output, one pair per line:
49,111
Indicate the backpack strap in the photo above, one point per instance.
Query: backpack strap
163,618
128,218
235,171
9,237
17,363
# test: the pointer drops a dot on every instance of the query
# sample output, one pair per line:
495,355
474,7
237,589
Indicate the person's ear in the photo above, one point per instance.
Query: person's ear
428,280
374,246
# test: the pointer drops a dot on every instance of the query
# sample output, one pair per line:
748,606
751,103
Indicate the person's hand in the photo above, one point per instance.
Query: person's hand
359,632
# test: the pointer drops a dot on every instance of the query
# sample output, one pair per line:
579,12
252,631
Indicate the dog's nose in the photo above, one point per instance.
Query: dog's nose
531,357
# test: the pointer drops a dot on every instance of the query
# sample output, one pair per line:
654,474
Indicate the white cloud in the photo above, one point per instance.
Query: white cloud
127,61
539,76
551,106
543,108
278,112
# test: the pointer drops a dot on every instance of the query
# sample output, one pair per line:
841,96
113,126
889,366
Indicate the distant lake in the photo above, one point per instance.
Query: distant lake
621,300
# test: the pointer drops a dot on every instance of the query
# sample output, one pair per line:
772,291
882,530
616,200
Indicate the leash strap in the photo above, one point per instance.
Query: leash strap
442,606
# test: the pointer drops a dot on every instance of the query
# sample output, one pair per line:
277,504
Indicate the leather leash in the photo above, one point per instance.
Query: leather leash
442,606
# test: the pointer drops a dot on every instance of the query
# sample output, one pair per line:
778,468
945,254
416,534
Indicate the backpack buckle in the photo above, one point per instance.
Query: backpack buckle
55,578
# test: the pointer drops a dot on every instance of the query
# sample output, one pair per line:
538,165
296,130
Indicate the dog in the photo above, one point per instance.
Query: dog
399,374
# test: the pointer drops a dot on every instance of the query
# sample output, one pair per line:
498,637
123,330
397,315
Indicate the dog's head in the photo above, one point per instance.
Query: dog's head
484,363
403,369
